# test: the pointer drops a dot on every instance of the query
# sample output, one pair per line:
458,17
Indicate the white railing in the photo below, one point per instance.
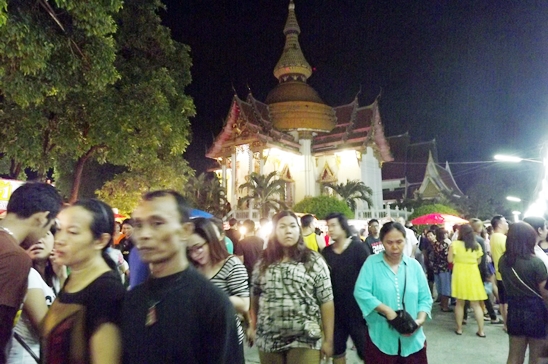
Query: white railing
384,213
252,214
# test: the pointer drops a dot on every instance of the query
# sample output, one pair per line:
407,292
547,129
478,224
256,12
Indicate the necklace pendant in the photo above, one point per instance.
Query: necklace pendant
151,316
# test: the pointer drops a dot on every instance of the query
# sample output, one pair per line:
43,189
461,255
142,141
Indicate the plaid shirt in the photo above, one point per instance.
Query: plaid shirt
290,293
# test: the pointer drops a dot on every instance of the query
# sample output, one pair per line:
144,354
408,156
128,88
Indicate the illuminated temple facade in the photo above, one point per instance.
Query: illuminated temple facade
295,133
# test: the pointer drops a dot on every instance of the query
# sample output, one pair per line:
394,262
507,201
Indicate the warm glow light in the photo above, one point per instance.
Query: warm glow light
540,206
507,158
344,154
266,229
513,199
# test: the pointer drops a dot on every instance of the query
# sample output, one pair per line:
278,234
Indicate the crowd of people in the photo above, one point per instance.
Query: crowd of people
166,287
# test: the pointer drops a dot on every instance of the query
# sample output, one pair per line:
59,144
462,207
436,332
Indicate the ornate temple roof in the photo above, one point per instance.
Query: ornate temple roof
294,104
416,164
292,64
248,122
357,127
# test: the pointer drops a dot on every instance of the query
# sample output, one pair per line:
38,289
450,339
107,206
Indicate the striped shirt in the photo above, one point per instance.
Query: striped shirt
232,279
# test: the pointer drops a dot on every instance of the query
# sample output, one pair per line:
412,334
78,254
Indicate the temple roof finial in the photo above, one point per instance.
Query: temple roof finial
292,64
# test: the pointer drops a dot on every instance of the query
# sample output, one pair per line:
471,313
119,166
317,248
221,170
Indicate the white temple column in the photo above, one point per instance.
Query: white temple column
371,176
309,180
233,195
223,173
250,170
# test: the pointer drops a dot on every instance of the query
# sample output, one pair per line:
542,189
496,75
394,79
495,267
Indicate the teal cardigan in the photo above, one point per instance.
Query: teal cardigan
378,284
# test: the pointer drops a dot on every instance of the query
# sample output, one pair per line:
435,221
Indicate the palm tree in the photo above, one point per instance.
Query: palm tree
216,200
207,194
352,191
266,192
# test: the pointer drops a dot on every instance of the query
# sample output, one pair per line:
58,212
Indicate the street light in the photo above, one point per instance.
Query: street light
513,159
540,205
513,199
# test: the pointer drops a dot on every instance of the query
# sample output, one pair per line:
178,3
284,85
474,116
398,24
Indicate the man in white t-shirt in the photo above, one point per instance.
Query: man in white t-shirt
411,242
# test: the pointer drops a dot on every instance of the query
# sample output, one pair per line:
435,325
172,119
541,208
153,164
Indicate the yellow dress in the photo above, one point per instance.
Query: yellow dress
466,281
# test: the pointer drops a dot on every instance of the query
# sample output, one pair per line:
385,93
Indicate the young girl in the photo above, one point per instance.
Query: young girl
291,298
82,324
208,253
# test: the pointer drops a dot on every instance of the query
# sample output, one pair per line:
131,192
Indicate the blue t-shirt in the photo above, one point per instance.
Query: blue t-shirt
138,270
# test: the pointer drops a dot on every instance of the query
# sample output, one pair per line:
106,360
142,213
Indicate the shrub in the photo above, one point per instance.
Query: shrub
431,209
321,206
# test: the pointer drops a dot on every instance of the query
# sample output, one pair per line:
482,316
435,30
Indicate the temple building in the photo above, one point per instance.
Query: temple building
415,172
308,142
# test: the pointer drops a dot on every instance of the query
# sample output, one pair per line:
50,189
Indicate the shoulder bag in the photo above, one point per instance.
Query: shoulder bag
529,288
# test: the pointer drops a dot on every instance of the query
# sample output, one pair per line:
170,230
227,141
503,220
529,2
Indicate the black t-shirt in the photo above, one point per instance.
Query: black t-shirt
250,248
344,269
484,272
374,244
233,235
125,245
74,317
193,322
531,271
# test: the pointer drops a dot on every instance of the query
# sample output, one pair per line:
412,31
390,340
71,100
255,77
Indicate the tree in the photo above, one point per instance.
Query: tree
207,194
265,192
321,206
49,51
138,120
351,191
125,190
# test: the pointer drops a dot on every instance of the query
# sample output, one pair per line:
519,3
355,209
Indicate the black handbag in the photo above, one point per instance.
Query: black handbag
404,323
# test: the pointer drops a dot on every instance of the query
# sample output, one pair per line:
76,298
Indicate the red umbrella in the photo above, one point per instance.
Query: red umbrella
437,219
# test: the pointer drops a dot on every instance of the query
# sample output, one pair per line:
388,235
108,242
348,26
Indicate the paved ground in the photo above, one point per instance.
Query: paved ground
444,347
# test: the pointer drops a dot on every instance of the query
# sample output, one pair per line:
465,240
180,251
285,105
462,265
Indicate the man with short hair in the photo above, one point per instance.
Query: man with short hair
126,244
477,226
345,257
249,249
31,212
372,240
411,241
312,240
177,315
498,247
232,233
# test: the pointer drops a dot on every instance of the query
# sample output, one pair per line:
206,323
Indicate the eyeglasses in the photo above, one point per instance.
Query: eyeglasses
196,248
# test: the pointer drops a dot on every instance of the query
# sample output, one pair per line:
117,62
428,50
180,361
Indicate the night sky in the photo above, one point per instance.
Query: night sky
471,74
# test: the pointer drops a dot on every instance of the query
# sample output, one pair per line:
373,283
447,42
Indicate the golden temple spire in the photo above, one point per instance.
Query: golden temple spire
292,65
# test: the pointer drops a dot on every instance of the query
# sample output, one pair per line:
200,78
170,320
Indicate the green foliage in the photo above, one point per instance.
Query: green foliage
55,48
265,192
433,208
351,191
321,206
3,12
98,92
206,193
125,190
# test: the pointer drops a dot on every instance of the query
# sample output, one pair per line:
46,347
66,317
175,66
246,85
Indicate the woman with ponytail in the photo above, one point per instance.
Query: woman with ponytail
82,324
